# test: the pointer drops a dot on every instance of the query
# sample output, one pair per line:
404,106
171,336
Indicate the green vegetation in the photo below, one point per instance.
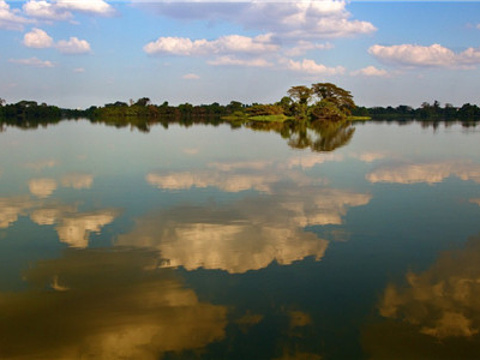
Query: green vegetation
314,107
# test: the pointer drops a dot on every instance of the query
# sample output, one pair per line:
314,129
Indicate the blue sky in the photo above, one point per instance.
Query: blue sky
76,53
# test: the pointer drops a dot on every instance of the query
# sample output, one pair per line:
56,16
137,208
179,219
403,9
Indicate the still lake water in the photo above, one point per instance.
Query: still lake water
212,243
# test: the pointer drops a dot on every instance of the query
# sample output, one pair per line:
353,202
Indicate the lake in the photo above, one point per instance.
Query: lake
209,242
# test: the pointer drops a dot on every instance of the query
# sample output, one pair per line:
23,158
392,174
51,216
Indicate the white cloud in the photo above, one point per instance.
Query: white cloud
285,19
190,76
233,61
434,55
370,71
79,70
302,46
73,46
223,45
311,67
33,62
37,38
97,7
9,19
45,10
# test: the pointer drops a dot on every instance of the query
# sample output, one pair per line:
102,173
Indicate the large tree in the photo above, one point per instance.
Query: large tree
301,96
331,96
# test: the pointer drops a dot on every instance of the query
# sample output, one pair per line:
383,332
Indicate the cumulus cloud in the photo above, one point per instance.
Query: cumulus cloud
97,7
294,20
45,10
434,55
290,29
429,173
34,61
370,71
311,67
103,304
73,46
38,38
9,19
233,61
223,45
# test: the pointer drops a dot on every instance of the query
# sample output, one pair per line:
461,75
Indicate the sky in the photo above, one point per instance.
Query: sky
78,53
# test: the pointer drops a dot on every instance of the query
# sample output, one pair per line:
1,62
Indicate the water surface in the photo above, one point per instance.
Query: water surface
218,243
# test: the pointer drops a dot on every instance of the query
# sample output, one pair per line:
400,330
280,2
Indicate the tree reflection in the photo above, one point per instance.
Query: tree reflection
319,136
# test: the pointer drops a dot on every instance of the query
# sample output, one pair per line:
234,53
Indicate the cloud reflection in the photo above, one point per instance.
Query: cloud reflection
436,313
73,228
42,187
11,208
114,304
248,234
429,173
77,180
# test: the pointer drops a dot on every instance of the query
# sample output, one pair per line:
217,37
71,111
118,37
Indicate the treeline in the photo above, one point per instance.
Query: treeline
29,114
426,112
331,103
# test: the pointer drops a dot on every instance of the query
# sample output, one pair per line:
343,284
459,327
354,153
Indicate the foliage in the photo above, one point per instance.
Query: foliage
305,107
332,103
335,95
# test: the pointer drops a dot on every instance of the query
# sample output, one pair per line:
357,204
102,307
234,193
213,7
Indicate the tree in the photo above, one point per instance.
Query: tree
300,93
144,101
302,96
328,92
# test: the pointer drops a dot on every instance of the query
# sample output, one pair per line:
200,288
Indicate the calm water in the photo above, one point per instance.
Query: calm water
212,243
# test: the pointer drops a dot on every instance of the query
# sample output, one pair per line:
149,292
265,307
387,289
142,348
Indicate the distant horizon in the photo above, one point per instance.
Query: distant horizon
442,105
77,54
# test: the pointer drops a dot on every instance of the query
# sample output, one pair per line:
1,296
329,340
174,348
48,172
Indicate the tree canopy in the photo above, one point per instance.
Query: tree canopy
332,102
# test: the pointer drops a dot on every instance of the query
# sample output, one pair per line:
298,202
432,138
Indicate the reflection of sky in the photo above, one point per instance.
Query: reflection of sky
429,173
245,203
139,313
248,234
435,313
